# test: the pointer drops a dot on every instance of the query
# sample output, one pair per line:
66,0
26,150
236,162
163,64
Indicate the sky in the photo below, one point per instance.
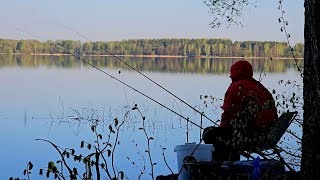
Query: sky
112,20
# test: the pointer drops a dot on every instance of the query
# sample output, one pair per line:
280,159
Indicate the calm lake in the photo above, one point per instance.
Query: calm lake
57,98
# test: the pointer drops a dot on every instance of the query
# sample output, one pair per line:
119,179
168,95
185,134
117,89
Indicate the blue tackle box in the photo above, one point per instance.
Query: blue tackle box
258,169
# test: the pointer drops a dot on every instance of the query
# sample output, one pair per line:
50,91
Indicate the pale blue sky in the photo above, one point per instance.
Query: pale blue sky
107,20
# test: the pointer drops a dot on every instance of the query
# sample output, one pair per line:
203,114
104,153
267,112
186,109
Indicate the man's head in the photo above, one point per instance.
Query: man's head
241,70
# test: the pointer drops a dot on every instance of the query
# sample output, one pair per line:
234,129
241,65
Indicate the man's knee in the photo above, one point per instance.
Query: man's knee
206,135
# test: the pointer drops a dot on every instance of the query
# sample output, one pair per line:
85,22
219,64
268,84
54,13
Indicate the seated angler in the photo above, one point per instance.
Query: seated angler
248,113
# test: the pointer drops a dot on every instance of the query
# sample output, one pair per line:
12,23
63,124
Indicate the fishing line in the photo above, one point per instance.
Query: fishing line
116,57
88,63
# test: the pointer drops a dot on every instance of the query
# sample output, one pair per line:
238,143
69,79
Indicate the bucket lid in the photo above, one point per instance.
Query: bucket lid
192,146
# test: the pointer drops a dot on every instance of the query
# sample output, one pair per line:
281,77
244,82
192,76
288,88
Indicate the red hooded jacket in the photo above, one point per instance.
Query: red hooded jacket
245,94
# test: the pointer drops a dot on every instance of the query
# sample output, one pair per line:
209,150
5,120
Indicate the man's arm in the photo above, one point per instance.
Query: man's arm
232,104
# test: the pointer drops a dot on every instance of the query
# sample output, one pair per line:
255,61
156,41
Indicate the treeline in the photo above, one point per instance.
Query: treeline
171,47
149,64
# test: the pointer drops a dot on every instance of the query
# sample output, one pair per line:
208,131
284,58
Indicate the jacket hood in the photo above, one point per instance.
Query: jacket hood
241,70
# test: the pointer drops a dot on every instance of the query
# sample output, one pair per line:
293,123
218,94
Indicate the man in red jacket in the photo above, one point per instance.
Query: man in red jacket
248,113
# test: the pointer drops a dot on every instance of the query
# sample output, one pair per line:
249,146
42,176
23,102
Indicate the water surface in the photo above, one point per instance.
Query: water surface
39,94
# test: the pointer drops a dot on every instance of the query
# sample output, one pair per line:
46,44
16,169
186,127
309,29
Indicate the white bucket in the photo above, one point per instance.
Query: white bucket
203,153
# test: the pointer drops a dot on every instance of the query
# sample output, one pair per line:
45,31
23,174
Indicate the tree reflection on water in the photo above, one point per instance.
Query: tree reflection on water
149,64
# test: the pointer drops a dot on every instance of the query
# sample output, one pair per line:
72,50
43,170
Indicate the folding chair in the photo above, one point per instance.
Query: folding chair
275,134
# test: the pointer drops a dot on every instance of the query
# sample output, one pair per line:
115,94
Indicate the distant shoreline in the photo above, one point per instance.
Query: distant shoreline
151,56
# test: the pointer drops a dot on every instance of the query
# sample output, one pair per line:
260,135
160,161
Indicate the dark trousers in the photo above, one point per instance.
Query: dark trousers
221,138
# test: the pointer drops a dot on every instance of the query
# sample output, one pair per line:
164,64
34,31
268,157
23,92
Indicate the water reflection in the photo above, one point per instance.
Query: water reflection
154,64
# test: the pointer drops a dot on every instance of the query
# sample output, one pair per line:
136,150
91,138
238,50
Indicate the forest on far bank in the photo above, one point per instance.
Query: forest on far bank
171,47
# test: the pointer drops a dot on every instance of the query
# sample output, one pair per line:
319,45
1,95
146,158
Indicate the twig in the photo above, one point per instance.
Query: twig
61,155
165,161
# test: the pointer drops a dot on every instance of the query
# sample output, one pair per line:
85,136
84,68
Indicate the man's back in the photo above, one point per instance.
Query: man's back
247,99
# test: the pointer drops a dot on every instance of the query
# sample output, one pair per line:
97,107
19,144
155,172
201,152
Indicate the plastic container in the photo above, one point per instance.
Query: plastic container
203,153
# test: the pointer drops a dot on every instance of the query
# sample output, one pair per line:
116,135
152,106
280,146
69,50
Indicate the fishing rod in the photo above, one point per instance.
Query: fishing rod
116,57
106,73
